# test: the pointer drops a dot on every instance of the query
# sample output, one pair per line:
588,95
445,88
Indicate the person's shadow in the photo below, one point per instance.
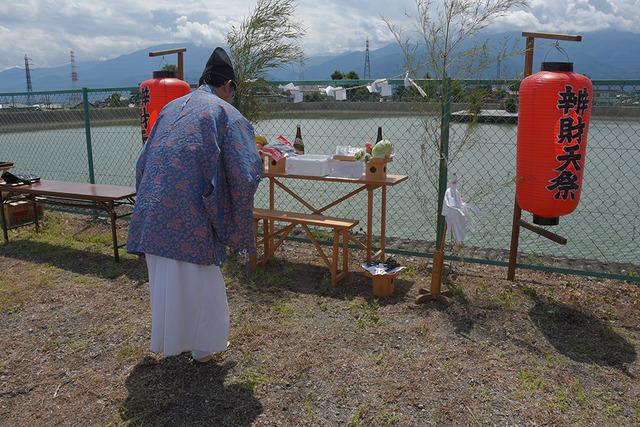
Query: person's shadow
176,391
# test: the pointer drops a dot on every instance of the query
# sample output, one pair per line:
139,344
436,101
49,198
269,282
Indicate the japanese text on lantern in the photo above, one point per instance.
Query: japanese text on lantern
571,128
144,114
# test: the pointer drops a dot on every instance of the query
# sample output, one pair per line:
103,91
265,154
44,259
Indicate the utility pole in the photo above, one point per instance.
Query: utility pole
74,78
28,72
367,63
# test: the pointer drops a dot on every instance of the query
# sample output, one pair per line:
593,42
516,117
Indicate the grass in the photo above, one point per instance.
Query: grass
578,392
322,235
77,345
252,381
249,330
388,419
365,312
128,352
561,399
504,300
17,289
530,380
310,410
265,278
378,358
283,308
422,329
356,419
545,350
455,289
529,291
410,272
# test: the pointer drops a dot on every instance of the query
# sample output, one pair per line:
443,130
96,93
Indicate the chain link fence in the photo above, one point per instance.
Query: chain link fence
48,133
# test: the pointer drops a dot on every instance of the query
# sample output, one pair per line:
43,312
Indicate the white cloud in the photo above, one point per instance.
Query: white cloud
47,30
574,16
200,33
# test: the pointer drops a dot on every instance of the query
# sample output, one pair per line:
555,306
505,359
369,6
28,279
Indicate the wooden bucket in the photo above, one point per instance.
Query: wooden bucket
377,168
277,166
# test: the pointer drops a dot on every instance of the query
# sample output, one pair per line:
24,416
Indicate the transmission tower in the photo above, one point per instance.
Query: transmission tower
74,78
28,72
367,63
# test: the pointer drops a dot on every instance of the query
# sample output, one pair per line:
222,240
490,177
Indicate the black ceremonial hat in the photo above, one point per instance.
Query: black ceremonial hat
218,69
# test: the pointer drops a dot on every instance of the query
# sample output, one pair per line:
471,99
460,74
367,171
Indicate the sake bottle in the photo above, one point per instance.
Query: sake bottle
298,145
379,137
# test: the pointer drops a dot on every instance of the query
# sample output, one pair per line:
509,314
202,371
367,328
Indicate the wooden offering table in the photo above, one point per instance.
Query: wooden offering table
71,194
363,184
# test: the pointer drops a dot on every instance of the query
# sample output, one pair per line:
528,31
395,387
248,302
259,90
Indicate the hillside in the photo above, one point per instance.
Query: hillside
601,55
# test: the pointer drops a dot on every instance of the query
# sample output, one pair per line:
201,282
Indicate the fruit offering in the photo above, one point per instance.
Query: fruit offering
261,140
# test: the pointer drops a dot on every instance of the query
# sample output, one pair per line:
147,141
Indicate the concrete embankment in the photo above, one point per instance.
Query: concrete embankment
27,120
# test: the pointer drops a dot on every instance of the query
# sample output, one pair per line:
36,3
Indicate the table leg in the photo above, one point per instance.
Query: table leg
383,222
345,251
35,213
272,204
114,236
369,222
3,220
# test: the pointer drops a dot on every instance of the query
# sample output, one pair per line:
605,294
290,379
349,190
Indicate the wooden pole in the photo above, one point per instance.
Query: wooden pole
180,51
437,271
180,66
441,225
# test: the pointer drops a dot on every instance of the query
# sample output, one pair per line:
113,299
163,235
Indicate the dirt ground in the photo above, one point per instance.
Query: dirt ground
544,350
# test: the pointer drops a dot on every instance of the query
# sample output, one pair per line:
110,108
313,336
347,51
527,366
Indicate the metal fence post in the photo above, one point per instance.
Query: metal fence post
437,267
87,131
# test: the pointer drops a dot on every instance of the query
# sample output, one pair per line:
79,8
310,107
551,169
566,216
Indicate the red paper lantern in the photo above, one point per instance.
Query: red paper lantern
157,92
553,121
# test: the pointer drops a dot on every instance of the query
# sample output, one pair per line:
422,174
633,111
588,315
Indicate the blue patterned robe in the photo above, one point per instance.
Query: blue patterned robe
195,181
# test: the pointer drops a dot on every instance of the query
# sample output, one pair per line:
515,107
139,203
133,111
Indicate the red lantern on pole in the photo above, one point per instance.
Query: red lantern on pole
553,121
155,93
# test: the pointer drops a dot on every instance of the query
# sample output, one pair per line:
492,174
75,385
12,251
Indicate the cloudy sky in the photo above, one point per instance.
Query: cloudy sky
47,30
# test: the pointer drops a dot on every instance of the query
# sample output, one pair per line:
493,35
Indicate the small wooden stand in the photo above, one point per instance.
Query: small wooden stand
383,284
377,168
277,166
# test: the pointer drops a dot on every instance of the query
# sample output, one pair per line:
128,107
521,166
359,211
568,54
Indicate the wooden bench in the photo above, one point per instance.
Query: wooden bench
340,227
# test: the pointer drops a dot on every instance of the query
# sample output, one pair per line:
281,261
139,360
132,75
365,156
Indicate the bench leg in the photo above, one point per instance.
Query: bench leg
336,253
345,252
253,259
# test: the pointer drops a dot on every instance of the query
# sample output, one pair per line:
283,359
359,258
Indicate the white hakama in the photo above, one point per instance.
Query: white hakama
188,306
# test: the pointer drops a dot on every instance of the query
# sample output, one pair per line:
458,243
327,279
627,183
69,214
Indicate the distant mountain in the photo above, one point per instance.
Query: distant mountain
124,70
601,55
